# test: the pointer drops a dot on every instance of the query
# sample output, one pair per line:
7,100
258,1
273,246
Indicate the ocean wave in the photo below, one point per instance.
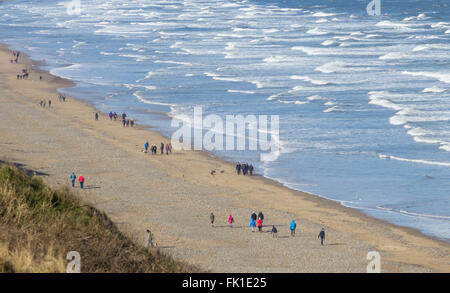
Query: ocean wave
317,31
241,92
308,79
419,161
434,89
444,77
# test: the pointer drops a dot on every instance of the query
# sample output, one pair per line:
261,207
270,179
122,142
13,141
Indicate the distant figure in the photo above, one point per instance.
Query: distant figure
40,77
124,116
322,236
110,115
238,168
250,169
230,220
73,177
128,122
274,231
259,222
167,149
252,224
115,116
41,103
132,123
150,239
96,116
292,227
146,146
49,103
162,148
253,216
123,122
261,215
81,180
211,218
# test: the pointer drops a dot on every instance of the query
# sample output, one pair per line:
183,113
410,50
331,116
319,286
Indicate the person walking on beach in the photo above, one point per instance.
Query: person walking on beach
253,216
230,220
110,116
261,215
96,116
73,177
146,146
49,103
250,169
292,227
238,168
124,116
167,149
44,103
132,123
162,148
150,239
81,180
274,232
252,224
260,223
322,236
211,218
115,116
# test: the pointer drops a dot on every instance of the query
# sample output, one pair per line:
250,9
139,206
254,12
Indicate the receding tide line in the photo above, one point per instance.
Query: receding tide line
446,164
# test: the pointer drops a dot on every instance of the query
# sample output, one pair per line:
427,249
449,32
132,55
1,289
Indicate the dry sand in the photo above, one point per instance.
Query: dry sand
174,195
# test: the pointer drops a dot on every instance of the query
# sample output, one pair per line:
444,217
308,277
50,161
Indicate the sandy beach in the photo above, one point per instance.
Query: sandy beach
174,195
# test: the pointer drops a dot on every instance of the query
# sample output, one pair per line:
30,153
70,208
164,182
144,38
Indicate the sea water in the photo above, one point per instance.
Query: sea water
363,101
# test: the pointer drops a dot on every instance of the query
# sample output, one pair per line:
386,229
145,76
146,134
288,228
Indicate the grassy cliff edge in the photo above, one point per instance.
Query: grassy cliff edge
39,226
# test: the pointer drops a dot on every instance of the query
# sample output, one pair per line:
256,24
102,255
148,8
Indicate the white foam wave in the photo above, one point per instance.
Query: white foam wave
433,89
444,77
382,156
308,79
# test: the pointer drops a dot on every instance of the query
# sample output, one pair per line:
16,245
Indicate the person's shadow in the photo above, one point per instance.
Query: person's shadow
91,187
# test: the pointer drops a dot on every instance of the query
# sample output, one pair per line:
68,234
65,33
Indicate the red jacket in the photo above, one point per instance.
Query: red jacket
81,179
259,222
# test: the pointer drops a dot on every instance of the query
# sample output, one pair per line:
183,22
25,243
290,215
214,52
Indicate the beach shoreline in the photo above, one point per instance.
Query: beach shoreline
311,211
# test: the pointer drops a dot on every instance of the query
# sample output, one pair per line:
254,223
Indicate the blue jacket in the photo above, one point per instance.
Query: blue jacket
73,177
252,223
293,225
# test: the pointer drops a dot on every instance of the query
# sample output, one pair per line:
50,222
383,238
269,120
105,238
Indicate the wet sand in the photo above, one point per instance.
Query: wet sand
173,195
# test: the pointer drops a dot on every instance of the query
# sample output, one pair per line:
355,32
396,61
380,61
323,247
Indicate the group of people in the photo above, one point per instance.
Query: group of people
62,98
257,221
81,179
23,75
43,103
245,168
154,149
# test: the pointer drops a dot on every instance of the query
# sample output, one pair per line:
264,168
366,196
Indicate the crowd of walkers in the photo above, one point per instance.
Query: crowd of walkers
257,221
23,75
245,168
44,103
154,149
